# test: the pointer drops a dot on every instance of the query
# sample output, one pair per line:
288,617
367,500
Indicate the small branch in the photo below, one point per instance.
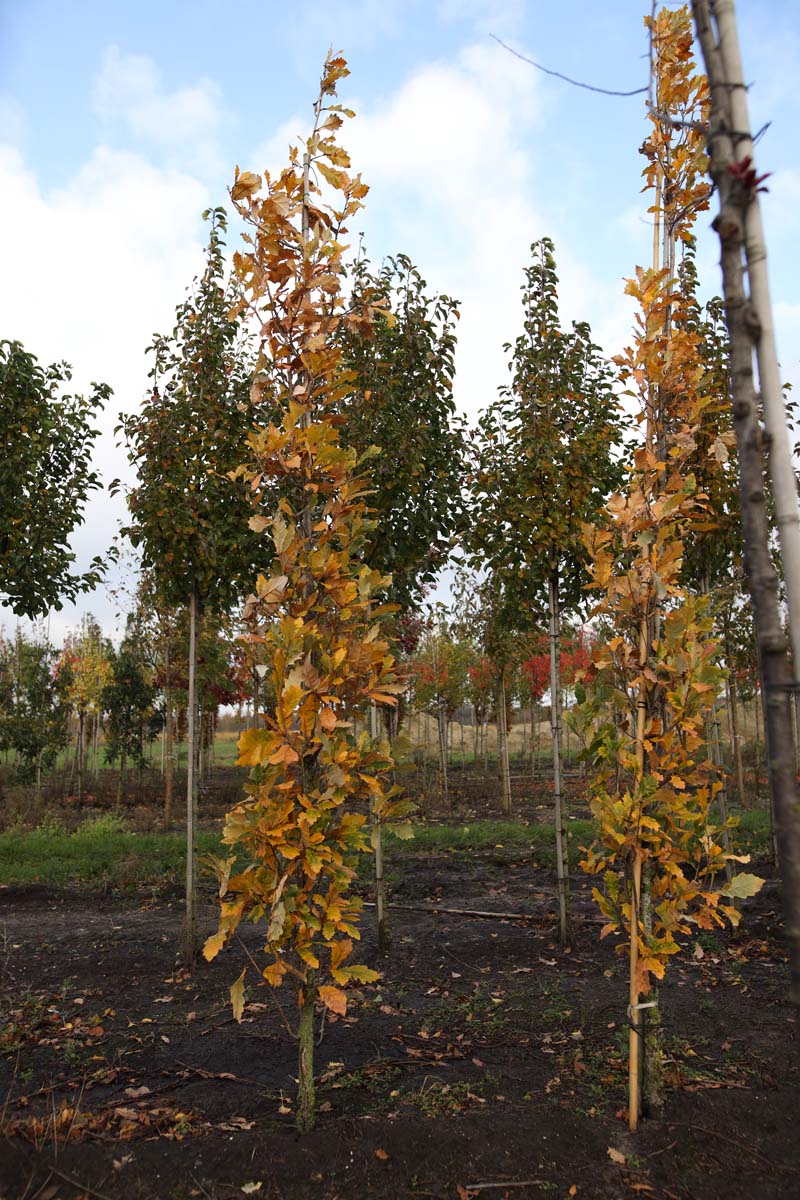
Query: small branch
457,912
557,75
79,1187
520,1183
768,1162
291,1032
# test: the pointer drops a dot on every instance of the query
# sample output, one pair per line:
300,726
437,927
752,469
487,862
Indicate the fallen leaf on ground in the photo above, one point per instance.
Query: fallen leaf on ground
616,1156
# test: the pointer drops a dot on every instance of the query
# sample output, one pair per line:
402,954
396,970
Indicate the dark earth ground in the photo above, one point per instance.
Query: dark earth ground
484,1056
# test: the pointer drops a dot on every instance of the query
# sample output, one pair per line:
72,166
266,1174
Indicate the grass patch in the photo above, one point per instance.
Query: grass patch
484,836
98,852
102,852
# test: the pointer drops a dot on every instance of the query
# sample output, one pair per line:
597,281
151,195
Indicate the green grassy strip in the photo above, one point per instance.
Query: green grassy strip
103,852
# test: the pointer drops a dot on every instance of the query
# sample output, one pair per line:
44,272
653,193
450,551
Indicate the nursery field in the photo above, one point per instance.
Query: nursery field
485,1061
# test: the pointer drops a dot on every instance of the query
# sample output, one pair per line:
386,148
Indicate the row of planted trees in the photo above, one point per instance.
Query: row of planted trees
565,499
87,703
258,475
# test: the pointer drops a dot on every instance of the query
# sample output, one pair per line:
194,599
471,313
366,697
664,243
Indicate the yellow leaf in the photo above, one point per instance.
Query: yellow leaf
334,999
237,996
255,747
213,945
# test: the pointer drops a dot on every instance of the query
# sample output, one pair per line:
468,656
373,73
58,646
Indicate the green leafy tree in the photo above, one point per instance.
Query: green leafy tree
45,480
127,700
188,517
545,463
440,671
36,707
401,401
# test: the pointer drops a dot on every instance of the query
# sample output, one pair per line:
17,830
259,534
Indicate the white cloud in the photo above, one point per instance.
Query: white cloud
186,121
94,268
455,182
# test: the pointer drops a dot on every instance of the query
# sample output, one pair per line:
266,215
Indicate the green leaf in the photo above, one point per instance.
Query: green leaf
742,886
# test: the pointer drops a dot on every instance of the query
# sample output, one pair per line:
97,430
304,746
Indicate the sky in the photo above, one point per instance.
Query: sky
120,122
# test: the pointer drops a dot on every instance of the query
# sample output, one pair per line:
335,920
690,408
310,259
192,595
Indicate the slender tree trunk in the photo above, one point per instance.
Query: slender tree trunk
562,852
306,1097
757,754
652,1065
441,725
123,764
169,742
733,724
716,757
502,746
189,931
81,760
737,225
377,847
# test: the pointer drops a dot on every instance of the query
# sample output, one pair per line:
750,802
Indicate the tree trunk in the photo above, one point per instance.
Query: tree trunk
81,759
123,763
757,750
306,1098
562,852
169,744
738,226
652,1065
189,931
377,846
736,747
441,725
502,746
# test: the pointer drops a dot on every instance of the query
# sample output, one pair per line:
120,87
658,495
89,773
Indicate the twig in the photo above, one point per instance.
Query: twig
485,1187
664,1150
461,963
41,1187
226,1076
457,912
79,1187
291,1032
776,1166
557,74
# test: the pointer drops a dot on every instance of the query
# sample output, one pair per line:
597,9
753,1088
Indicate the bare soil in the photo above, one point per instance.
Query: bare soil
485,1056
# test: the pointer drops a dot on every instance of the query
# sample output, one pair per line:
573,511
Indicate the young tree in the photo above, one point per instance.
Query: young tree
653,681
440,672
402,402
88,656
45,479
35,723
315,616
127,700
188,517
544,466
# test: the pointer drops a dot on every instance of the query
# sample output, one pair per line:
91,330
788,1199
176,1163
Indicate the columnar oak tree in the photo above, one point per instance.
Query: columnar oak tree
653,682
315,616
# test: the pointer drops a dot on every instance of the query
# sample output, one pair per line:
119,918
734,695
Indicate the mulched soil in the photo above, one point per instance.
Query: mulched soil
485,1056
